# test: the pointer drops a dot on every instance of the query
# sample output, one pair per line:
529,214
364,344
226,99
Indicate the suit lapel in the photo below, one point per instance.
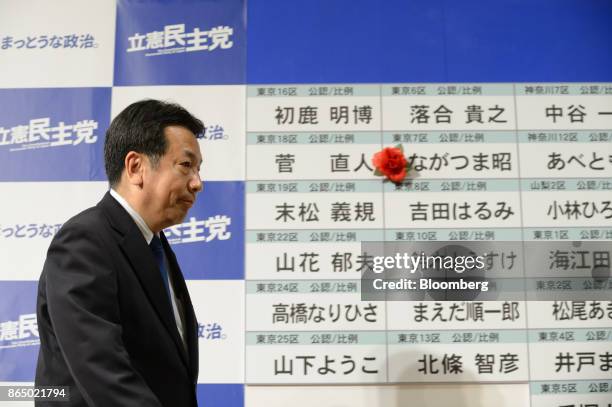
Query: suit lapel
143,263
180,290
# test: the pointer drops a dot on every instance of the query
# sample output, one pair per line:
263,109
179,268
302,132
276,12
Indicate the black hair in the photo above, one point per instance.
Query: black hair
140,128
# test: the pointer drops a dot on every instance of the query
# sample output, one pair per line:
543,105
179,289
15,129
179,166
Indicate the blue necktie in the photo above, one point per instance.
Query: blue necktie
158,252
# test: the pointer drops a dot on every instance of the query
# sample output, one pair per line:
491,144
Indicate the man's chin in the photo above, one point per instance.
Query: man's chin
176,219
181,218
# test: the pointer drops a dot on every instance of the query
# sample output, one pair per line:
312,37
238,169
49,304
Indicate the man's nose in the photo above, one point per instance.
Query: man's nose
196,184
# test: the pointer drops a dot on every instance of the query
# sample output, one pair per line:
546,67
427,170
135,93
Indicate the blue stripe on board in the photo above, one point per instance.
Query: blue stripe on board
346,41
220,395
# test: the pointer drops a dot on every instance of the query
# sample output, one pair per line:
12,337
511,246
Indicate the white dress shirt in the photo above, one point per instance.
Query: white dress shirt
148,236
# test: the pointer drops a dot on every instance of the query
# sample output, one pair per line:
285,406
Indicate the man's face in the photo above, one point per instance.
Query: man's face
170,189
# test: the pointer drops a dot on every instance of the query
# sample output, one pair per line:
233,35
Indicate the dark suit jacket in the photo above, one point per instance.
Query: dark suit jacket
104,317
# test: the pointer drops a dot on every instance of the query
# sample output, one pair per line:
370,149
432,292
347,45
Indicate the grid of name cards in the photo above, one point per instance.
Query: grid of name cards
509,139
505,162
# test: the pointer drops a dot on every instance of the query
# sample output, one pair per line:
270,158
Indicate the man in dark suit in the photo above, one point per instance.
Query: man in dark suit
115,319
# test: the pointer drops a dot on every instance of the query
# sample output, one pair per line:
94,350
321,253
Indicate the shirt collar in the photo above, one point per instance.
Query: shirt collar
142,225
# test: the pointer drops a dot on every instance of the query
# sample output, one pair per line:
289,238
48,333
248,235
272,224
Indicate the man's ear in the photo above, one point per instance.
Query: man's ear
134,167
